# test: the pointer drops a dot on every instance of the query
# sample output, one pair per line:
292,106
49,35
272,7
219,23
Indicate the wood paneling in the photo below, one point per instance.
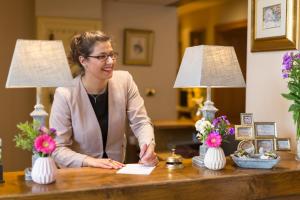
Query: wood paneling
187,183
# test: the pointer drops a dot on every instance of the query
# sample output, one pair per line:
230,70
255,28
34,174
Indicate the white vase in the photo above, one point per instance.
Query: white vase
44,170
215,158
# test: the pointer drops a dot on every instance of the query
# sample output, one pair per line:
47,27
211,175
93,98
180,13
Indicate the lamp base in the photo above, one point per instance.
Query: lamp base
39,114
209,110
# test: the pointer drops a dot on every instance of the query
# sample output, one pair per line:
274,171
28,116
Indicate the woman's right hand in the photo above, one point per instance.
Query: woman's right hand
106,163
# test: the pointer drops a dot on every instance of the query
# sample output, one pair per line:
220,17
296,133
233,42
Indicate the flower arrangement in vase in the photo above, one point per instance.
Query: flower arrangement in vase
212,135
44,169
39,141
291,71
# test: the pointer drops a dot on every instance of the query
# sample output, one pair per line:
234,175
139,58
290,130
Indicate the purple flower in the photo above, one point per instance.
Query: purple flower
285,75
52,130
297,56
287,66
287,62
231,131
287,58
216,121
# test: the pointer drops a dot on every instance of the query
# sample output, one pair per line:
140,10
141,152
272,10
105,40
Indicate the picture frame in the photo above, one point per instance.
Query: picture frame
265,129
283,144
267,145
274,25
246,119
243,132
138,47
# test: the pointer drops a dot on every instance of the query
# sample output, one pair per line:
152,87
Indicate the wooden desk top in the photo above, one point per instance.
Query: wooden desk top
173,124
187,183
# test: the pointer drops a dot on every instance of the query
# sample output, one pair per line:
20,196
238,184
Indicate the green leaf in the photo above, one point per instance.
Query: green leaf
295,88
25,138
291,96
296,117
294,108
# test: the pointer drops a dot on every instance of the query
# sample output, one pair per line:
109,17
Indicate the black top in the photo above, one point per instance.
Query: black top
100,106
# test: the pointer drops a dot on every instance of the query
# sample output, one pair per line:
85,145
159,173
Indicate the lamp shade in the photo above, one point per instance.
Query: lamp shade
209,66
39,63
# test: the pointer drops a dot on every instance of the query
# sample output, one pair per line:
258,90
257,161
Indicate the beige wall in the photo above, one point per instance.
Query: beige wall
16,21
161,74
86,9
207,18
264,86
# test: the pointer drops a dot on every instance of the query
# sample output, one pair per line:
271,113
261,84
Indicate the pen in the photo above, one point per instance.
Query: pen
146,149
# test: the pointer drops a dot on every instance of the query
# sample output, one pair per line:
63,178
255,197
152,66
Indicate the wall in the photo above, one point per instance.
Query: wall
264,86
17,22
161,75
207,18
90,9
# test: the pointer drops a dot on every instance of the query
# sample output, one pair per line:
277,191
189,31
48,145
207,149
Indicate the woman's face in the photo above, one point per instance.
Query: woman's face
100,63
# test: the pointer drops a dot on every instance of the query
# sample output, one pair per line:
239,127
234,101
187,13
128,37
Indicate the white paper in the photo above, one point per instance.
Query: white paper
136,169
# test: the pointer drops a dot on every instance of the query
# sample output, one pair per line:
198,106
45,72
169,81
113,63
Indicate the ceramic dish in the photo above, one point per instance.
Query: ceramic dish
255,162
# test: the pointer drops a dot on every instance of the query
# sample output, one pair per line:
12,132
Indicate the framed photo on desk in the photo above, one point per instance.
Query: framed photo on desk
243,132
265,129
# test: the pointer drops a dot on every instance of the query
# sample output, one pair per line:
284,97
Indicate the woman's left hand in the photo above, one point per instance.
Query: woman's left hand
147,155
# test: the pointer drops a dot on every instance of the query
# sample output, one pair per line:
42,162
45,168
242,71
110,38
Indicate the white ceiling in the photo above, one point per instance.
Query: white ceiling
153,2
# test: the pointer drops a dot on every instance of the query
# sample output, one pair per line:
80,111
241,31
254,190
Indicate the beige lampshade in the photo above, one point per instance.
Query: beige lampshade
209,66
39,63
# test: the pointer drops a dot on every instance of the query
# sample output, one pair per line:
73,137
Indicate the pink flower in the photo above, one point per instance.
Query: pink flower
214,139
44,144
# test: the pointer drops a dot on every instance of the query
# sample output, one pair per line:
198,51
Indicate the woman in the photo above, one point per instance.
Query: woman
90,117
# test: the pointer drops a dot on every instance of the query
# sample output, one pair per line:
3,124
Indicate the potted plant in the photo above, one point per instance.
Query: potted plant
44,169
25,138
211,135
30,133
291,71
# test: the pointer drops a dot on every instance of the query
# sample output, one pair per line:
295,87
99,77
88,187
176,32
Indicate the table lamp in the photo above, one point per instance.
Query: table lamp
209,66
37,64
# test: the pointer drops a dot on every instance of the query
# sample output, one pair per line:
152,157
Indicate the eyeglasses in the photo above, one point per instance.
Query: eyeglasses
104,57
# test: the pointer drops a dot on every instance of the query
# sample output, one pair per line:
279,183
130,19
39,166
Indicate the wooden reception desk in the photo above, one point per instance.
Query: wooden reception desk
282,182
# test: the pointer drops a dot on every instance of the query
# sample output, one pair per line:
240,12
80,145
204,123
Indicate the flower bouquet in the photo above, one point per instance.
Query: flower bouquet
37,140
212,135
44,169
291,71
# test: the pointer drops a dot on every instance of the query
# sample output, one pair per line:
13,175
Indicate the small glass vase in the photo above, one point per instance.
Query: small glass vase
202,151
298,149
215,158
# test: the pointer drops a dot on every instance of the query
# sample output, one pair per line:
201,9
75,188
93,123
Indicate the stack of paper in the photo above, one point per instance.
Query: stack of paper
136,169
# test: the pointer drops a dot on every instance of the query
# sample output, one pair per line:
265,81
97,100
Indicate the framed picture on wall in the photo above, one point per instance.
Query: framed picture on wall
138,47
197,38
274,25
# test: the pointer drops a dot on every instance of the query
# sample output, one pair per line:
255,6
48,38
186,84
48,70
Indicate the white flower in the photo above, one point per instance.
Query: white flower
203,125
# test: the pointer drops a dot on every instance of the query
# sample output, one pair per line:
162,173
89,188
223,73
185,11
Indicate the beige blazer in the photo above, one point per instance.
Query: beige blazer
78,131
